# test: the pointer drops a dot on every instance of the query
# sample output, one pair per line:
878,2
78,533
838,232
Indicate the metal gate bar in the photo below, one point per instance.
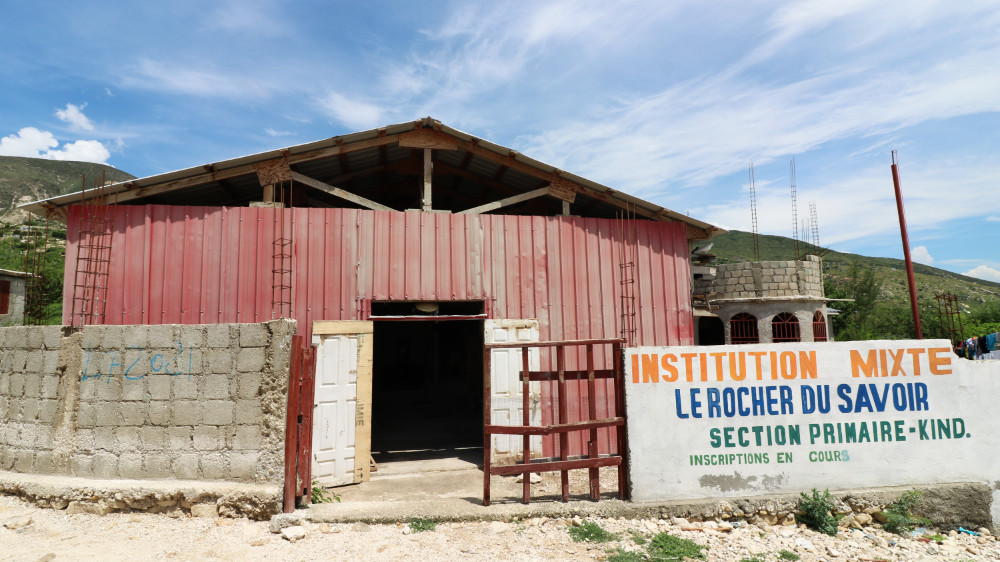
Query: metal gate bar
298,425
592,461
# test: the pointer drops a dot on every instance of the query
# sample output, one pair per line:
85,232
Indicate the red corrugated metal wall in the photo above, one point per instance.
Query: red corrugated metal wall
203,265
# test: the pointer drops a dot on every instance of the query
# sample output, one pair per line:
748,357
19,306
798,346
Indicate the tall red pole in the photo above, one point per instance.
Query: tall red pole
906,249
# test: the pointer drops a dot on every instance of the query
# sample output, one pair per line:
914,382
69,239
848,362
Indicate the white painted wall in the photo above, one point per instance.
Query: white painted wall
676,421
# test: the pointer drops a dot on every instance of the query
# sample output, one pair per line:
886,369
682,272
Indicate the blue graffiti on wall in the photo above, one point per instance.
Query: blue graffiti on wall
157,364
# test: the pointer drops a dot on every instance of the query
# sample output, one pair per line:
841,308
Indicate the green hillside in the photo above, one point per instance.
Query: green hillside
30,179
889,309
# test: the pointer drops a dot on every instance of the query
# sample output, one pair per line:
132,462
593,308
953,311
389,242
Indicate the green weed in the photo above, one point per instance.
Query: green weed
319,494
419,525
817,512
591,532
787,555
668,547
622,555
899,518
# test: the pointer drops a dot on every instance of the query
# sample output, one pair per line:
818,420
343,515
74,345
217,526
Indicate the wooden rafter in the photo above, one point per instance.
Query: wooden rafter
338,192
506,202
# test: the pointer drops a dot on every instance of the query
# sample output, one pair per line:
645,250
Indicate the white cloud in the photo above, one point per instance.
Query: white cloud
984,272
187,79
33,143
273,133
73,115
351,113
993,218
920,254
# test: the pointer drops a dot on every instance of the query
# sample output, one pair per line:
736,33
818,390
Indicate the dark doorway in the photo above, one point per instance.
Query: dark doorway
711,331
427,389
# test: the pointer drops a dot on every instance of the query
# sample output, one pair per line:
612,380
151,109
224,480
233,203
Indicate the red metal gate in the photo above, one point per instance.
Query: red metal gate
299,424
591,461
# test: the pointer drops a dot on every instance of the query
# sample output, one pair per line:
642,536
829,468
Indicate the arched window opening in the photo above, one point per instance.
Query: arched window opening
819,327
785,328
743,329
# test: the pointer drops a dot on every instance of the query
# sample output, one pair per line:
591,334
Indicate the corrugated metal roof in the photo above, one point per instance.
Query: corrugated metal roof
328,166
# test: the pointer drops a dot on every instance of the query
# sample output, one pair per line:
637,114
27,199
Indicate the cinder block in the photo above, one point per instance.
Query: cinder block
194,364
93,336
45,437
85,440
43,462
220,361
7,458
52,337
17,337
249,385
159,386
29,409
213,466
217,335
207,438
187,412
248,438
25,459
152,438
243,466
159,412
186,467
217,412
157,465
135,336
179,439
4,409
113,337
254,335
134,413
110,389
250,360
35,337
82,465
104,438
105,465
47,411
162,336
49,386
193,336
88,389
86,415
130,466
216,387
19,359
128,439
4,383
32,385
107,414
184,388
248,412
35,361
134,390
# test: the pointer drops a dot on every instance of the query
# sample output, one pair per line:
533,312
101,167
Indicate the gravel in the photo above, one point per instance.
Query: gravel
31,533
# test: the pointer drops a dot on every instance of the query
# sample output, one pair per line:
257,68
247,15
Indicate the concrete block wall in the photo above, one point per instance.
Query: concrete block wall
764,279
190,402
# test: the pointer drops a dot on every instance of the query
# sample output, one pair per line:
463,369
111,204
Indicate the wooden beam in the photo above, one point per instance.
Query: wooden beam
494,205
565,208
337,192
562,189
425,201
427,138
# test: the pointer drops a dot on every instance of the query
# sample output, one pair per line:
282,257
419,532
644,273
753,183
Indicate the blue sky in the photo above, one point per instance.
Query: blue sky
669,101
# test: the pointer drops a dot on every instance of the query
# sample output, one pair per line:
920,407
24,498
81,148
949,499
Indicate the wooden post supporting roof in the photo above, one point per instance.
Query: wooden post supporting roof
425,200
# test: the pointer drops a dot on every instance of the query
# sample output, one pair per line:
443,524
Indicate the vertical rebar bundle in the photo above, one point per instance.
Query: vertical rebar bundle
93,256
795,210
814,224
37,241
948,311
281,261
628,239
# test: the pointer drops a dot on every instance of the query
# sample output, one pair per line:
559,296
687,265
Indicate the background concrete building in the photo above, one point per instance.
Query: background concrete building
12,284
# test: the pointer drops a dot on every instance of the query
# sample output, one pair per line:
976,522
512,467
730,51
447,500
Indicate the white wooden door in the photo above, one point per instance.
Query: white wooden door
505,386
342,414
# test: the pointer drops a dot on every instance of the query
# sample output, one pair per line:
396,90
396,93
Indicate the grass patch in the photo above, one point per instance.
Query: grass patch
637,537
787,555
589,531
622,555
752,559
817,512
668,547
419,525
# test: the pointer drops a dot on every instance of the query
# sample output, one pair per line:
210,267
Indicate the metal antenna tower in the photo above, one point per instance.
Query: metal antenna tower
795,212
753,215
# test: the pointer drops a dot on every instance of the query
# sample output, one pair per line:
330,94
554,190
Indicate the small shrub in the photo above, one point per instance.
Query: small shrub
936,538
637,537
418,525
591,532
622,555
752,559
668,547
817,512
319,494
787,555
899,518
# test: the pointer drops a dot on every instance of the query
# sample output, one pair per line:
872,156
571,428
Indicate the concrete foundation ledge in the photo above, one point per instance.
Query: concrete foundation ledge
177,498
948,506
